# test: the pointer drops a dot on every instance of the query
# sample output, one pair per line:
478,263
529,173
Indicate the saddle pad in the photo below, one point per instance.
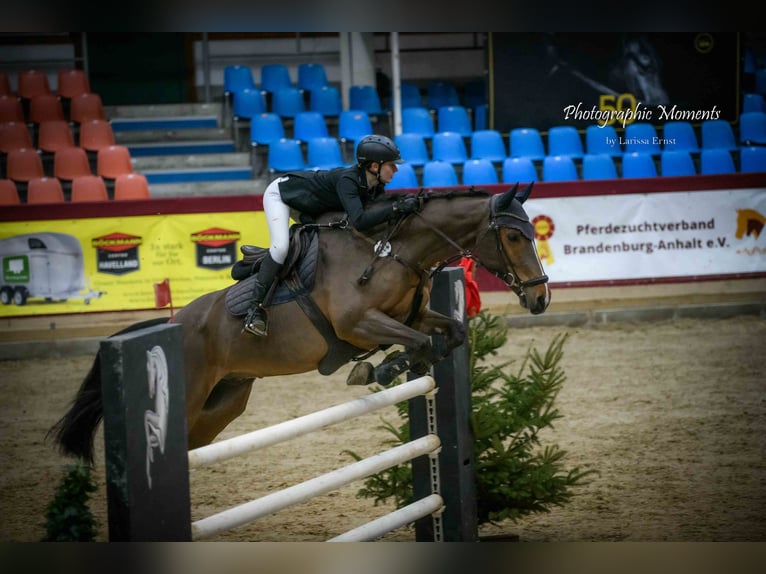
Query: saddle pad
299,281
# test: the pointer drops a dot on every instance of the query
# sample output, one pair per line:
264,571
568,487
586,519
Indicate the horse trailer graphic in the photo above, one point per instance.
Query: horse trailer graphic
48,265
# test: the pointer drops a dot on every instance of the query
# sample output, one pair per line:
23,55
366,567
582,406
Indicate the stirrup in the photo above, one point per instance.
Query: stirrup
257,322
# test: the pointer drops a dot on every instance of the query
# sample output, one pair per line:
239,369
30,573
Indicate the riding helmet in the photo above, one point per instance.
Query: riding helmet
377,149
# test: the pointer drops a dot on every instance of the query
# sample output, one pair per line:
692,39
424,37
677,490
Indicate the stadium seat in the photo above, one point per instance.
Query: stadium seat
404,178
519,169
71,82
85,107
638,164
488,144
69,163
439,174
527,142
411,96
246,103
716,161
600,140
353,125
14,135
679,135
717,134
479,172
324,153
32,83
275,77
559,168
413,148
11,110
365,98
311,76
418,121
480,117
752,128
9,195
752,159
565,141
598,166
112,161
326,100
454,119
287,102
237,78
309,125
54,135
266,128
285,155
88,188
44,108
642,137
475,93
449,147
95,134
45,190
441,93
676,162
5,84
24,165
752,102
131,186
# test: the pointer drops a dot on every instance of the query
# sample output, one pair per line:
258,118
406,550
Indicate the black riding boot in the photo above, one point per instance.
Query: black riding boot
256,321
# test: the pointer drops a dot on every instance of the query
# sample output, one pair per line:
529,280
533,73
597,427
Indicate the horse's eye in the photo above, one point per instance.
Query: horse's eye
513,235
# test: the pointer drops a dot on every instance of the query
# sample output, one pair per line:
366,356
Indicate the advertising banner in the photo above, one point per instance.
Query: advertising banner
659,235
113,263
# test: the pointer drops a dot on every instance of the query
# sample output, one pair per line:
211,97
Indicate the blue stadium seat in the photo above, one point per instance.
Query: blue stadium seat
519,169
287,102
353,125
475,93
679,135
449,147
454,119
365,98
266,128
442,93
752,128
311,76
411,96
598,166
479,172
602,140
527,142
413,148
324,153
326,100
715,161
676,162
439,174
637,164
480,114
285,155
717,134
752,159
565,140
237,78
309,125
752,102
275,77
248,102
404,178
418,121
488,144
642,137
559,168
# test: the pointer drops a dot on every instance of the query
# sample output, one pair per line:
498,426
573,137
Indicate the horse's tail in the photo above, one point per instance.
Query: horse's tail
75,431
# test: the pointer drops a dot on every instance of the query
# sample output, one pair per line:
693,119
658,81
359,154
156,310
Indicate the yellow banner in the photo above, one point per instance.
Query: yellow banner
112,263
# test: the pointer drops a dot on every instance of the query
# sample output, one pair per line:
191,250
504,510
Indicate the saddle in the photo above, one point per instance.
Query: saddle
294,283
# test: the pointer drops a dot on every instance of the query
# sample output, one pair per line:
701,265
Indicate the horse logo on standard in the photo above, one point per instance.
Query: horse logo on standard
156,421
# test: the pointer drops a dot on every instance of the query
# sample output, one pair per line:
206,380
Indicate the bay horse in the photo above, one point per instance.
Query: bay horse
371,291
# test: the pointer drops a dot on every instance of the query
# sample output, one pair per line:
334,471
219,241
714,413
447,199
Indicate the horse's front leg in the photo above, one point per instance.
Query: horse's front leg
432,323
376,328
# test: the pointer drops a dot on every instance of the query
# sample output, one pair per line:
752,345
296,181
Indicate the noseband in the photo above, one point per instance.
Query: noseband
515,219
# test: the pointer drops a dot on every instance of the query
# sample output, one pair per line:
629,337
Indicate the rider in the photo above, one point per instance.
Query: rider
313,193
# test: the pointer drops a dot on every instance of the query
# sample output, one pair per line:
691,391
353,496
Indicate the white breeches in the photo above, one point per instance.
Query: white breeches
278,220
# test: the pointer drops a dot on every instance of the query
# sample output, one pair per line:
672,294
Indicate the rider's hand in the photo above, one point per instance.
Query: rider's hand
407,205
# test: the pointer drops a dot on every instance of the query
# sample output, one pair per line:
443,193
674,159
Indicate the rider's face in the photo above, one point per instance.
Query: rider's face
387,171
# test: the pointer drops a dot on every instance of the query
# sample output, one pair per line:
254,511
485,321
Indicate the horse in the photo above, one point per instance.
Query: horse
370,292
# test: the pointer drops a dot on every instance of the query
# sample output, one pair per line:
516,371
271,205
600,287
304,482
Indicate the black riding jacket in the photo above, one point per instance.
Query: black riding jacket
341,189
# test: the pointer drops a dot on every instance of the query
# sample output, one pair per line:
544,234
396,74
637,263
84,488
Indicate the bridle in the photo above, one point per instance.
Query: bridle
497,222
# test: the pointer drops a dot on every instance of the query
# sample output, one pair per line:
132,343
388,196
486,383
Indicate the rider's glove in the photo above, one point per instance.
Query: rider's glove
406,205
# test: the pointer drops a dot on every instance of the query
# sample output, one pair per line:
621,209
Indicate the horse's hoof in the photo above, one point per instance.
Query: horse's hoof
362,374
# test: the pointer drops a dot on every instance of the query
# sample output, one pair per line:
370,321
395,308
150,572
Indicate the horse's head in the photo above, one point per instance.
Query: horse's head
514,258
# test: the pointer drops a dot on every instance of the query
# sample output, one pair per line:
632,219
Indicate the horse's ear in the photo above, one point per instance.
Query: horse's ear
505,199
522,196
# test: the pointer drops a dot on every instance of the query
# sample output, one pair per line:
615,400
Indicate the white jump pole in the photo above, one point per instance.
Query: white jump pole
323,484
264,437
396,519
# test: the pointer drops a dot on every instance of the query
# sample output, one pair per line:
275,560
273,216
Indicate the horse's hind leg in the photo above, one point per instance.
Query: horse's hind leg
226,402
